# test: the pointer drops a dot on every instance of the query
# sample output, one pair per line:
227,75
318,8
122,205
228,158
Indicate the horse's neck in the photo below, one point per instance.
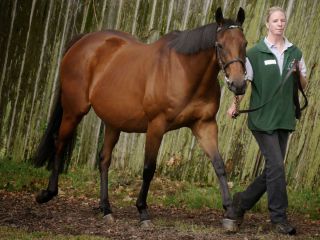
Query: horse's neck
203,65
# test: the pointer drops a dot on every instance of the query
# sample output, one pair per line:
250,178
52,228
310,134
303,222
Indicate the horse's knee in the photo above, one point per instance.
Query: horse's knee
100,161
148,172
104,162
218,165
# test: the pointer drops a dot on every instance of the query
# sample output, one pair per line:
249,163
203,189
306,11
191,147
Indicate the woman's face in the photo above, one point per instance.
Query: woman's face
276,23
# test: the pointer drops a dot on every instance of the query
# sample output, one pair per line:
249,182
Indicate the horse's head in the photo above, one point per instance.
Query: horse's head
231,51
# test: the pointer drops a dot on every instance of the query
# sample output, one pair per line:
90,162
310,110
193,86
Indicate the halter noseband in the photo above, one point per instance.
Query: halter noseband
223,65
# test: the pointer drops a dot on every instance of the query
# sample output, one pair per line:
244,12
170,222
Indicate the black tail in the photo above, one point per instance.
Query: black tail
46,149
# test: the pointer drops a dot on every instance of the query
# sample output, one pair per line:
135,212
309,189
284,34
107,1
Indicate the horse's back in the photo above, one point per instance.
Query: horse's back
93,45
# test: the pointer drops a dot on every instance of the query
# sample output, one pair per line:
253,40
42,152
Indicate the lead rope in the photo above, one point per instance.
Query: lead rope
237,105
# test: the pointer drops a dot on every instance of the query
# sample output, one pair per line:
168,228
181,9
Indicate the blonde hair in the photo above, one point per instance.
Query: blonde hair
274,9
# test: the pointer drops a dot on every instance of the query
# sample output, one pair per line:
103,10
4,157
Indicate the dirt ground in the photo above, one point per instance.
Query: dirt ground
77,216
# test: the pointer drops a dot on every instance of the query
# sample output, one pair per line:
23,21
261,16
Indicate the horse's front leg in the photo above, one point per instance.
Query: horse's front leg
153,140
206,133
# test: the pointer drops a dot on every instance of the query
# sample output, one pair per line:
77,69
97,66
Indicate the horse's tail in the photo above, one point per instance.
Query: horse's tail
46,149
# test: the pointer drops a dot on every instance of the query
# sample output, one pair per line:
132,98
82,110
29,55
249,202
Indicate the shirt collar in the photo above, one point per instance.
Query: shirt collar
270,45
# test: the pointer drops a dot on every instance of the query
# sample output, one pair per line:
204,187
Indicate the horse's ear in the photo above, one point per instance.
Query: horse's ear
219,16
241,16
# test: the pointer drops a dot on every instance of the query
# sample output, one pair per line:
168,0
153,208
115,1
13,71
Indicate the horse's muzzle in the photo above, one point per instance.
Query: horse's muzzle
237,87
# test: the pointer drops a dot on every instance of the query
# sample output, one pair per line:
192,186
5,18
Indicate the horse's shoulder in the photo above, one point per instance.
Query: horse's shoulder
115,36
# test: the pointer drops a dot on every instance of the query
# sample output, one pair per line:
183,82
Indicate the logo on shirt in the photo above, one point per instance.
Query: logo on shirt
270,62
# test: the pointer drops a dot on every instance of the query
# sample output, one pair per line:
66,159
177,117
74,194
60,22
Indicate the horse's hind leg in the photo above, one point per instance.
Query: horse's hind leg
154,135
68,124
110,139
207,135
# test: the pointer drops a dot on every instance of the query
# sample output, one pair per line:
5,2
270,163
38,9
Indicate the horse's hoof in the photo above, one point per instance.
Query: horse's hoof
146,224
45,196
108,218
230,225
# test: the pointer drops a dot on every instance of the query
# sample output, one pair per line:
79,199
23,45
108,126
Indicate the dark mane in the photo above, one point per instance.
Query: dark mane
195,40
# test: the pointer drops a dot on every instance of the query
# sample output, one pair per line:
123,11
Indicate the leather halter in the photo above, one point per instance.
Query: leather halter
218,47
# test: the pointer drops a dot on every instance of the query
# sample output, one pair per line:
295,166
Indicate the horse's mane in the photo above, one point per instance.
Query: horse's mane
195,40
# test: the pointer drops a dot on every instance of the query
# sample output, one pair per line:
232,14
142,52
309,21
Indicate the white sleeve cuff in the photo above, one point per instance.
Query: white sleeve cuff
303,68
249,75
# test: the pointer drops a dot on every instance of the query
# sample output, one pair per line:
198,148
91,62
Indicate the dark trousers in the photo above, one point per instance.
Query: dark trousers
272,180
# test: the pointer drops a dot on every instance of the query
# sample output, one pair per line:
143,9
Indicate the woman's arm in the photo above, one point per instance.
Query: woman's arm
303,82
303,73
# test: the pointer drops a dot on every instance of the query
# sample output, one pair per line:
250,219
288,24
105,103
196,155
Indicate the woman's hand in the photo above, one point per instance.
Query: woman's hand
234,108
297,66
232,111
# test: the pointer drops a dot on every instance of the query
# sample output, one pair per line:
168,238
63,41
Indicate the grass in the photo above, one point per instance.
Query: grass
124,188
21,176
11,233
194,197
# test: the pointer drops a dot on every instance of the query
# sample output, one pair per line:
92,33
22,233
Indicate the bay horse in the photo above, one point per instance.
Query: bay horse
145,88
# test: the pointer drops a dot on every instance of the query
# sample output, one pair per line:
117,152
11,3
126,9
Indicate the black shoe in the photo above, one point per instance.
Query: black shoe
238,211
284,228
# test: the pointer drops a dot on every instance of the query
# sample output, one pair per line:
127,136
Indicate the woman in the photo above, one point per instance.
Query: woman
268,63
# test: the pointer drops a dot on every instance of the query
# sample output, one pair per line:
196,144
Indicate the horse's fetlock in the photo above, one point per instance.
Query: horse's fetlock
45,196
144,215
141,206
105,210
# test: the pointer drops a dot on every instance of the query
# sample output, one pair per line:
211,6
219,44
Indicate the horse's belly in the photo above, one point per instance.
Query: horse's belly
117,100
122,116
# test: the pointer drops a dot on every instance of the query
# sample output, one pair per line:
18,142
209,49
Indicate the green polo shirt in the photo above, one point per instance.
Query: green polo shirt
279,113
